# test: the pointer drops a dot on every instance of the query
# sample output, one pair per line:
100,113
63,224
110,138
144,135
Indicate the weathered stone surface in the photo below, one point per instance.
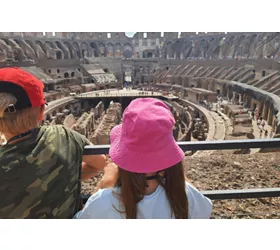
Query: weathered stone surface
85,124
108,121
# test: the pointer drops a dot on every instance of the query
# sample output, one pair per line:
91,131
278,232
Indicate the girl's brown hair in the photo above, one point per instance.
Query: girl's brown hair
133,187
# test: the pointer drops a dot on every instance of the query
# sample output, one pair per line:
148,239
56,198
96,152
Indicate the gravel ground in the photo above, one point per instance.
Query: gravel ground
224,170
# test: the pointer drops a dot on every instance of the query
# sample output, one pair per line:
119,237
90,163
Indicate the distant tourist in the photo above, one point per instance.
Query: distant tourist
266,133
151,183
261,133
263,124
258,123
271,134
41,167
252,114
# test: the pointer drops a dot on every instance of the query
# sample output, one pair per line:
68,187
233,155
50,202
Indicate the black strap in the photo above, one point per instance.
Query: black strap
17,91
20,136
153,177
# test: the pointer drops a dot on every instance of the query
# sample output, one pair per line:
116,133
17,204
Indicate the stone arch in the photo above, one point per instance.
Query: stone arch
50,44
110,49
211,39
167,52
118,50
253,37
85,50
6,41
204,45
230,39
41,46
225,90
228,47
53,50
19,47
66,75
18,42
66,54
177,49
17,50
102,50
127,50
76,48
32,45
230,92
7,50
149,54
187,49
59,55
94,49
71,50
211,86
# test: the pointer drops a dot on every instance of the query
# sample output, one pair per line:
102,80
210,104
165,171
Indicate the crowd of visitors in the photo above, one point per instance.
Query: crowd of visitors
261,124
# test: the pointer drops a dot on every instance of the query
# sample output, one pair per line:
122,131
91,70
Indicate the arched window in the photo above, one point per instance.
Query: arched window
72,74
66,75
58,55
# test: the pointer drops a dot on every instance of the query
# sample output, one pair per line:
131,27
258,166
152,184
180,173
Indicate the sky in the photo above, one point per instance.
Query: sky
130,34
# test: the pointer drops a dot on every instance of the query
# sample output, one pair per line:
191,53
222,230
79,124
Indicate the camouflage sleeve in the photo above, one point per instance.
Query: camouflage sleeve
79,138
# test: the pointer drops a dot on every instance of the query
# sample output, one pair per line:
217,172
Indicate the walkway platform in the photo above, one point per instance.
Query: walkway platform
124,93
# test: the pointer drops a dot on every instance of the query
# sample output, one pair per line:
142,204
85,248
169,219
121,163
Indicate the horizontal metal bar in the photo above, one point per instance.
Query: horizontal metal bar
231,194
242,194
203,145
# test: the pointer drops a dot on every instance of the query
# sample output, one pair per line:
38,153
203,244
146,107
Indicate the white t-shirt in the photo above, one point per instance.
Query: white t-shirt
103,205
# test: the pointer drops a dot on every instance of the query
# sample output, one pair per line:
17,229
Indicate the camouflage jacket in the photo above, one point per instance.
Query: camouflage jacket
40,177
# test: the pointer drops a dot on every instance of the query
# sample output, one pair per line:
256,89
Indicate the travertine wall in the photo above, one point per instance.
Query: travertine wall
72,45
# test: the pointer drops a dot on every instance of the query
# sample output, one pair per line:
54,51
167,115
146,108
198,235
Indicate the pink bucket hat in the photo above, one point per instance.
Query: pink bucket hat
144,142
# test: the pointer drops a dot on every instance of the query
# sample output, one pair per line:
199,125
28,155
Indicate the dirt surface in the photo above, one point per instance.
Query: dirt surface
223,170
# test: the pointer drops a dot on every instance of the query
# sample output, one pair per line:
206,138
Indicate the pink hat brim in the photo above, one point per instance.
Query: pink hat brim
139,162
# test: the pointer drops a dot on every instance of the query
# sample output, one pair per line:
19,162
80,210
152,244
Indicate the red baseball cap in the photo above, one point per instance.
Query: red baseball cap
28,90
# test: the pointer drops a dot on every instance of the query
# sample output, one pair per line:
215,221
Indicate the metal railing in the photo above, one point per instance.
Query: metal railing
98,95
216,145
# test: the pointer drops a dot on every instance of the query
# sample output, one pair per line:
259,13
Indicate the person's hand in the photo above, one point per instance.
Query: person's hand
110,176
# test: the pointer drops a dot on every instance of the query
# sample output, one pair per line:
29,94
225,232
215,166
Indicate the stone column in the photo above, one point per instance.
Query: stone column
260,107
233,96
240,98
274,123
270,116
265,110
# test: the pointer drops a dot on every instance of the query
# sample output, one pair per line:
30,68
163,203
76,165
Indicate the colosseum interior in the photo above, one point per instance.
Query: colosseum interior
217,85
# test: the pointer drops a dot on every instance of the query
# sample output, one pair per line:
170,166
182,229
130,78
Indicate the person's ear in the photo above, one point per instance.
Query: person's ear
42,110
